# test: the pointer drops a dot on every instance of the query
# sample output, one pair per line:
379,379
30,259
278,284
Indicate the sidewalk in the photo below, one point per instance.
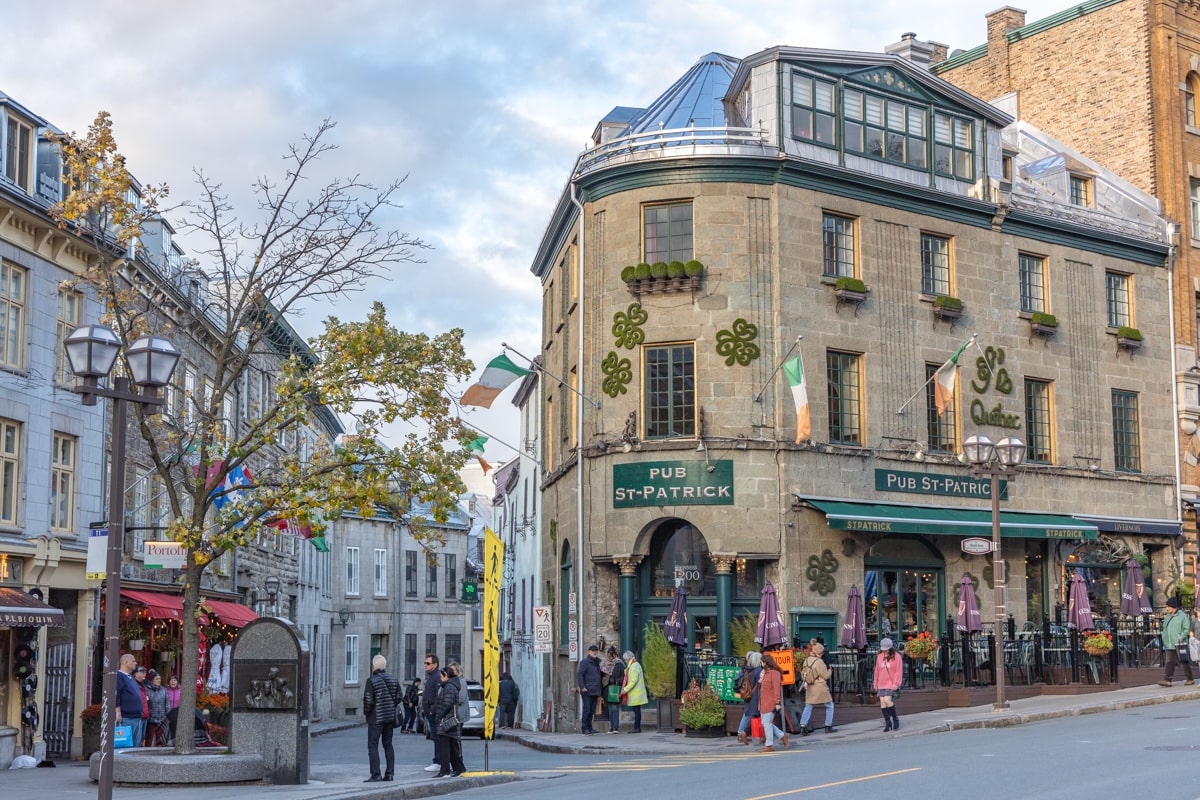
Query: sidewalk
69,780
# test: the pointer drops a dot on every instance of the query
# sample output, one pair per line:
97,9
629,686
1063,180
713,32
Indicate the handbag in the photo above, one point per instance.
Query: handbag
448,725
1184,652
1194,649
122,737
614,693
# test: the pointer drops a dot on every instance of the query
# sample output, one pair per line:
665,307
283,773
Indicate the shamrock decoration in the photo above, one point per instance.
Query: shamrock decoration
618,372
627,326
738,344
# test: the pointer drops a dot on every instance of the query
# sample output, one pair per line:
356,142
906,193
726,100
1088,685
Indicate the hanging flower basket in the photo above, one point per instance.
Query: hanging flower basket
920,647
1098,643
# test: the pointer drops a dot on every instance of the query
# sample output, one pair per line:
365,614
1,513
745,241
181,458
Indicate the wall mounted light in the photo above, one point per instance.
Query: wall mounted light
343,616
849,546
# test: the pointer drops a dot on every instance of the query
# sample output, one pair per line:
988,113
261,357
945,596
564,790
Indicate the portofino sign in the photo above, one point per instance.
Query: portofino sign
673,483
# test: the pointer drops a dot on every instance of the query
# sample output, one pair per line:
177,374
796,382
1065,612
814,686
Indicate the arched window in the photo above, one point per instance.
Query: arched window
566,585
678,550
1189,98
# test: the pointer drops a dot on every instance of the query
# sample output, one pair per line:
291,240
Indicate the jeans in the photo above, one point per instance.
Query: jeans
614,716
410,718
808,713
747,715
589,713
375,732
508,714
452,752
431,732
637,719
139,730
770,731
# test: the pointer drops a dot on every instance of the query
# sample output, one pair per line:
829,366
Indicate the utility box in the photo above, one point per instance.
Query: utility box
814,622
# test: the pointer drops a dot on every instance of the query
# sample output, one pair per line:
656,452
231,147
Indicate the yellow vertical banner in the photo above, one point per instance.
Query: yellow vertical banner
493,567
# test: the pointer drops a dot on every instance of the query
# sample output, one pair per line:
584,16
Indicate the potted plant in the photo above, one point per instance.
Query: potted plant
701,711
1128,338
1097,643
1043,324
920,647
658,666
89,723
134,633
165,644
947,307
629,274
850,290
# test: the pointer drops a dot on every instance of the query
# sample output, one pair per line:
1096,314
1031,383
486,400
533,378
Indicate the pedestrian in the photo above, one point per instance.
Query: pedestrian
448,726
510,694
459,678
157,704
139,675
381,696
770,703
412,695
748,690
889,674
173,691
815,674
633,690
129,699
433,686
1175,629
616,677
588,678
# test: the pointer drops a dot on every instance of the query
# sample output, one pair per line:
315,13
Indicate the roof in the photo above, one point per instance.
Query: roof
695,99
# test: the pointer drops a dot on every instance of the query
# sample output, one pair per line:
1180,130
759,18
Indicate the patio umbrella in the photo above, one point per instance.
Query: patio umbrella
676,626
969,620
771,628
1079,608
1134,601
854,629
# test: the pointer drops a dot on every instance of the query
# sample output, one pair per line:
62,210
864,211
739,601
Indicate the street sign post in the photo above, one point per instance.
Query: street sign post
543,633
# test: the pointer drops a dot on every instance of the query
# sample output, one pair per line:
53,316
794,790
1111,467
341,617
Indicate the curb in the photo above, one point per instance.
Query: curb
434,788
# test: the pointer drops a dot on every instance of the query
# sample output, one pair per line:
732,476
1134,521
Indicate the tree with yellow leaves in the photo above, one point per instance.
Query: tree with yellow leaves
301,249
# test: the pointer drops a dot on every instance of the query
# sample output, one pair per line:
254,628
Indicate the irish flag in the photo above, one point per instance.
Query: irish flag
500,372
476,448
943,380
794,370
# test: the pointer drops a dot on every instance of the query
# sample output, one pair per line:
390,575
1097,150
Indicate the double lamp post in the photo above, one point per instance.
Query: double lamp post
92,351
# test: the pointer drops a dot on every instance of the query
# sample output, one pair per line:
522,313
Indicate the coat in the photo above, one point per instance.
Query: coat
159,703
1174,630
381,695
817,692
617,676
751,674
889,673
129,696
445,706
509,691
770,691
433,686
588,676
634,686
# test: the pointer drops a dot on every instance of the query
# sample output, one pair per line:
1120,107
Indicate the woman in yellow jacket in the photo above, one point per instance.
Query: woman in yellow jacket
633,690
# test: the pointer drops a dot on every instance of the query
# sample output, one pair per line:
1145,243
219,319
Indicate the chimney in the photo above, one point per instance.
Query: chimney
999,23
916,51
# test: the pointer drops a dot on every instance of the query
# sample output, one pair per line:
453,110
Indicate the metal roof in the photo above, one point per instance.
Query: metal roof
694,99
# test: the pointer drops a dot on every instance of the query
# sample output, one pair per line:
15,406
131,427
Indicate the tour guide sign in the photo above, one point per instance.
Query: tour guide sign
673,483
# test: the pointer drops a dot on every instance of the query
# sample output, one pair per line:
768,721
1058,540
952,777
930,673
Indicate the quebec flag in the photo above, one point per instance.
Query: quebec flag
234,489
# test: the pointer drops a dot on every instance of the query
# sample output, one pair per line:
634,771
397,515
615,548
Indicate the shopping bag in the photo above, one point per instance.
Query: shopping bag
614,693
1194,649
756,728
123,736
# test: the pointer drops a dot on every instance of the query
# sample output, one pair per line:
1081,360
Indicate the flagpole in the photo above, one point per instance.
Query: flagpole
491,438
779,366
542,369
932,378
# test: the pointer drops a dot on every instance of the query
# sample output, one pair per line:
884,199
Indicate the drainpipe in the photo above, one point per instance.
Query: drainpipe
1172,238
579,395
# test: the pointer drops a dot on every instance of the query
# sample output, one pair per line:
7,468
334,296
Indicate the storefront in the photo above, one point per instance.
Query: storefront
23,615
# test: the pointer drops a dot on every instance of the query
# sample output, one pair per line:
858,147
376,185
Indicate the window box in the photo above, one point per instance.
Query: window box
947,308
1129,338
850,290
663,278
1043,324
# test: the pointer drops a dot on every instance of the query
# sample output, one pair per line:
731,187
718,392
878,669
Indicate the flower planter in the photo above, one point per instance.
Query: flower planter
1131,345
137,644
91,743
714,732
663,285
1041,329
1097,651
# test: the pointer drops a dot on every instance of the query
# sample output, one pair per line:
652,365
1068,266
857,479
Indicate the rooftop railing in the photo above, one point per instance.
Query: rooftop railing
676,143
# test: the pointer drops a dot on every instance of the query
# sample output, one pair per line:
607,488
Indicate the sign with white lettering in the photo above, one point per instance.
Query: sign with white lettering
895,480
97,554
673,483
165,555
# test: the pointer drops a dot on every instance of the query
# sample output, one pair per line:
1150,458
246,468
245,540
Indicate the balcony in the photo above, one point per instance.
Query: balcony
676,143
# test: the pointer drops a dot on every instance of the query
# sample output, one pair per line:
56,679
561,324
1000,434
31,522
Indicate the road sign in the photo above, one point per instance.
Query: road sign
542,632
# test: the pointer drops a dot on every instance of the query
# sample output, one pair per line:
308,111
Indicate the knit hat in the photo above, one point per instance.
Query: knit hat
1173,602
885,643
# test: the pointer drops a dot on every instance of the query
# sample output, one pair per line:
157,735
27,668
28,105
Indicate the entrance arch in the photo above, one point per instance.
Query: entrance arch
904,588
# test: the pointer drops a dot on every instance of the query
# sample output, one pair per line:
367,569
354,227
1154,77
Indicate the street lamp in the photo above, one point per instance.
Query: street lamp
995,460
92,351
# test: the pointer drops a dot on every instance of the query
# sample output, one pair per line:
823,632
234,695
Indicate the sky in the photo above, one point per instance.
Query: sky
481,106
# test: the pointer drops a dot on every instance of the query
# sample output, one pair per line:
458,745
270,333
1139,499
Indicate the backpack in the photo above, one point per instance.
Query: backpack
807,674
746,690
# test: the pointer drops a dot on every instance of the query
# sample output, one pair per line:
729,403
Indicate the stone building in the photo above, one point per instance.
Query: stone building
1131,105
888,218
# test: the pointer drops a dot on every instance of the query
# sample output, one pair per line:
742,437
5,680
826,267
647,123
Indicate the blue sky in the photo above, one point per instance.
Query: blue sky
483,105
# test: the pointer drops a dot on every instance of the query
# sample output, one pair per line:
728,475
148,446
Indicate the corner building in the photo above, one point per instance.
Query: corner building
670,433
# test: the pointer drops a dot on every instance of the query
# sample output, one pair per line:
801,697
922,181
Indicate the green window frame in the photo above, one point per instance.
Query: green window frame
667,232
669,377
837,233
1038,406
935,264
1032,272
885,128
954,147
844,381
1126,432
1117,299
941,432
814,115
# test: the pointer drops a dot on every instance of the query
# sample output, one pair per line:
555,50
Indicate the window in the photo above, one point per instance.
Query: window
454,648
431,643
430,575
1195,201
954,147
1037,422
1081,191
941,431
885,128
352,571
1126,439
1116,297
380,573
10,470
838,239
410,573
668,232
410,656
670,387
19,162
62,482
351,658
813,115
845,398
1032,271
12,314
451,574
69,305
1189,99
566,585
935,264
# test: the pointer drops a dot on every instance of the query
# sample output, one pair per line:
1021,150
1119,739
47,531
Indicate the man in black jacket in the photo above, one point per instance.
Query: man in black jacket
433,685
381,695
589,679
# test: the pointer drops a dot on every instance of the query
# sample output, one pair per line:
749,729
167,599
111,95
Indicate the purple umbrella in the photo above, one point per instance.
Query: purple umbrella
676,626
854,629
1134,601
1079,609
771,628
968,607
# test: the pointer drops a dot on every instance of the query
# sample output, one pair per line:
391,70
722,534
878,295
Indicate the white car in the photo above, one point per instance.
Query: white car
473,726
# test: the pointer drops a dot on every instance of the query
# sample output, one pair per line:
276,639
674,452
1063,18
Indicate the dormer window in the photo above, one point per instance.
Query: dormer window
1081,191
18,162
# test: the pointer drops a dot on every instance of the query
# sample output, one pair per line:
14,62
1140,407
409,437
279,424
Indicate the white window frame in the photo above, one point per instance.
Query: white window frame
380,572
18,163
12,306
352,572
62,482
351,650
70,303
10,471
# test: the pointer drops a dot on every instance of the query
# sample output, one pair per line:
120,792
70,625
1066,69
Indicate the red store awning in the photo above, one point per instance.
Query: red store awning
231,614
158,605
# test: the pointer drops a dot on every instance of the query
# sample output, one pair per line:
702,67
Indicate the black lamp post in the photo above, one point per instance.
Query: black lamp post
995,460
92,351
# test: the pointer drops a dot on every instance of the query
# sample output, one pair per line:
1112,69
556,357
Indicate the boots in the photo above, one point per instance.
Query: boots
887,719
806,730
895,718
742,738
830,729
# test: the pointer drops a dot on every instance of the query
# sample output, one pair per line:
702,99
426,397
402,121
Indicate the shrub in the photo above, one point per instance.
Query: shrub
851,285
741,634
693,269
675,269
629,273
1126,332
90,718
658,269
658,661
700,707
946,301
642,271
1042,318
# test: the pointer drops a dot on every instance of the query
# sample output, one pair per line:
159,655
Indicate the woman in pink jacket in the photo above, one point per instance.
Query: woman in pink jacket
770,702
889,674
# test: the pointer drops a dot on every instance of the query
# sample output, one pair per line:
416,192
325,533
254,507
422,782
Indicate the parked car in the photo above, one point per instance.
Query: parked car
473,726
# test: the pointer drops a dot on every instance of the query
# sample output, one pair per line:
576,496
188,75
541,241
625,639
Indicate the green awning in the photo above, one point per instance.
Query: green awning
875,518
